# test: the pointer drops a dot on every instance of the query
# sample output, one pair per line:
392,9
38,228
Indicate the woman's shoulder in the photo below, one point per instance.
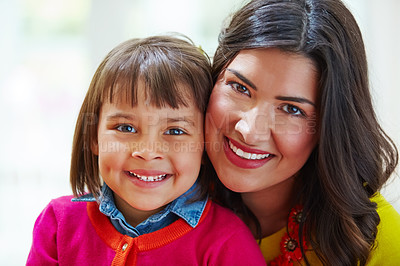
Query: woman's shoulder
387,241
387,213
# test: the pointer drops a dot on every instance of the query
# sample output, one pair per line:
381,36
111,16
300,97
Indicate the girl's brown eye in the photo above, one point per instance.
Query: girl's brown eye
126,128
175,131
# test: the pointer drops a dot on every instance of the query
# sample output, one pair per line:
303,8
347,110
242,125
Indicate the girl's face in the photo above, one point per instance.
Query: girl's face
148,156
261,119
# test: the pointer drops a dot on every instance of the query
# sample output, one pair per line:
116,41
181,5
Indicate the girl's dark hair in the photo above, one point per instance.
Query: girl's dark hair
354,157
164,64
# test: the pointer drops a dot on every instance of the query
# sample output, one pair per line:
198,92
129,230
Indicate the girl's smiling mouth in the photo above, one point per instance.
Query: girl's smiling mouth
148,178
148,175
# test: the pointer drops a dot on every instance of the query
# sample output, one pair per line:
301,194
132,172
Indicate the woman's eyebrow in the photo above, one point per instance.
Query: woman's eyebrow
295,99
282,98
242,78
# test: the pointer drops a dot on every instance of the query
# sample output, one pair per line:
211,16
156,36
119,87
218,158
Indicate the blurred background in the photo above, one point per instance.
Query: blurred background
49,50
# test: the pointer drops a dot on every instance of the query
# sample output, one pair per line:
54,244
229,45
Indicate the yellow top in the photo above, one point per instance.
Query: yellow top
387,243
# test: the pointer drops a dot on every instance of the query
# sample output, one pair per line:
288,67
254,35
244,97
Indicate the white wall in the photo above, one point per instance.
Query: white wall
380,23
49,51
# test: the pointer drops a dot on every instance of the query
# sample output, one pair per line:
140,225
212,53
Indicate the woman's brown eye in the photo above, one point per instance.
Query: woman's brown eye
293,110
240,88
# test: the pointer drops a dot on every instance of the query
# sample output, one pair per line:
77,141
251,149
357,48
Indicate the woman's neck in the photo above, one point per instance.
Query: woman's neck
271,206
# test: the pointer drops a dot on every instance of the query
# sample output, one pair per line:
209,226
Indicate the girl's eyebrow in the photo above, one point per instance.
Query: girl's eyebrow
184,119
295,99
242,78
119,116
179,119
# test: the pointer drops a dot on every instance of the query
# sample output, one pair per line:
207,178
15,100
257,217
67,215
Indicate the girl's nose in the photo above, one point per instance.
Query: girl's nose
254,126
148,150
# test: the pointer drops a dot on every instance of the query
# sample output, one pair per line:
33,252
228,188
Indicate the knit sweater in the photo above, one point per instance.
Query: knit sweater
77,233
386,250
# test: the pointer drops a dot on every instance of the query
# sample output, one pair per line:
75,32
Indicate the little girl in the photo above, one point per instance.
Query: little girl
137,150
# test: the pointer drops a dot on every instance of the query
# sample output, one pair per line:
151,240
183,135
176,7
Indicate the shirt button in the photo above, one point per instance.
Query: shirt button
124,246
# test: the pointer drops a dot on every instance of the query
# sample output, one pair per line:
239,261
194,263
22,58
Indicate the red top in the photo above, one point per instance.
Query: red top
77,233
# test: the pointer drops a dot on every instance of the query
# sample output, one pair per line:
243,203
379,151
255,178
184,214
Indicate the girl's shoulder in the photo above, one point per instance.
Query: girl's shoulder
63,207
387,248
224,217
224,237
61,201
65,202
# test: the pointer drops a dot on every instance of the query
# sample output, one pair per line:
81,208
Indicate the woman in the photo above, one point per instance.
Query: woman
294,139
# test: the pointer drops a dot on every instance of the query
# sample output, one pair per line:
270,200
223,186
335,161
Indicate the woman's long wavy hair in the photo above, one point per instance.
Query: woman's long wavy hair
354,157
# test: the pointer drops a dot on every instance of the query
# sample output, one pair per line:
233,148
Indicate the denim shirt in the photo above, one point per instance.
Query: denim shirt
190,212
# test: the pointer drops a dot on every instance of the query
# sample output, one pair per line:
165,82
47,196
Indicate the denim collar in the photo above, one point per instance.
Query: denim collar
180,207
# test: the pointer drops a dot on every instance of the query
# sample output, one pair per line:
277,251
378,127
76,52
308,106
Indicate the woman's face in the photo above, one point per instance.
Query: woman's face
261,119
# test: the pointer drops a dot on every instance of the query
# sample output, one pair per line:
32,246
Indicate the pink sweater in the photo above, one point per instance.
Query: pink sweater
77,233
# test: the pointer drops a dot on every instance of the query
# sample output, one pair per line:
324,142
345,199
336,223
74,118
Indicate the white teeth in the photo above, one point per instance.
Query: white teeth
247,155
149,178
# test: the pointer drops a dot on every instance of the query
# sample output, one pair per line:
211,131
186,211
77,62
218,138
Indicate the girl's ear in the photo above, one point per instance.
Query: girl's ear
94,147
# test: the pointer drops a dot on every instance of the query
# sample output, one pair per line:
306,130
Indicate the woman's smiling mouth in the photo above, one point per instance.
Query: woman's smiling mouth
245,157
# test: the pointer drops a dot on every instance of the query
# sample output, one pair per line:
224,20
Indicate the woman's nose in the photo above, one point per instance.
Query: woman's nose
254,126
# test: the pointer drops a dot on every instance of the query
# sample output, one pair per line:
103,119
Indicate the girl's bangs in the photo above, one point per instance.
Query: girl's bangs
159,74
